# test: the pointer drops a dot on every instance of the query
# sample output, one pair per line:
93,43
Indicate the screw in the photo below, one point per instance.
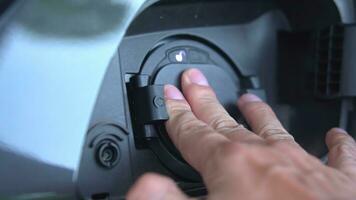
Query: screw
108,153
158,101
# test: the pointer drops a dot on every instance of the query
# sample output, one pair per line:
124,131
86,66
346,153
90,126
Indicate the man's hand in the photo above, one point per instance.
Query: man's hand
235,163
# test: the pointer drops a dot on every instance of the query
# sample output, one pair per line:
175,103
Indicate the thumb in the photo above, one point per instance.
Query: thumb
155,187
342,151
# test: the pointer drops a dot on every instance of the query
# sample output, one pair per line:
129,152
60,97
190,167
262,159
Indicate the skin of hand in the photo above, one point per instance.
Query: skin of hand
236,163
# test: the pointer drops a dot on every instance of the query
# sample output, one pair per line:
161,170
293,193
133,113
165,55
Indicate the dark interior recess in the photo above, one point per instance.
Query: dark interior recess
296,76
264,47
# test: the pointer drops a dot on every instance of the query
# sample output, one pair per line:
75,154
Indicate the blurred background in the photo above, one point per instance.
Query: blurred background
53,55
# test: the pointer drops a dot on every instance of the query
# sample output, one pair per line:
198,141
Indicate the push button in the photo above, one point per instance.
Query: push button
178,56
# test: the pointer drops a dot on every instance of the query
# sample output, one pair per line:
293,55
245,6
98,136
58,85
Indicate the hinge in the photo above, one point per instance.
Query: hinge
147,107
148,104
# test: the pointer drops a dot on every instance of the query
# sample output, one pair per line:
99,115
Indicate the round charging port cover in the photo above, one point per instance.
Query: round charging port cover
225,85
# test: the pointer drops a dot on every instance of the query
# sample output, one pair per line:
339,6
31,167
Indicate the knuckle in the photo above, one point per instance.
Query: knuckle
344,149
239,128
174,106
190,126
181,123
273,133
180,119
281,137
222,121
238,131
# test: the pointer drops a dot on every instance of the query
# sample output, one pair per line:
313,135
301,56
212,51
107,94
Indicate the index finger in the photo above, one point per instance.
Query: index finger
194,139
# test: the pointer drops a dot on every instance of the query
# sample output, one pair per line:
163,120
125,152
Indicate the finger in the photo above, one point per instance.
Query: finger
155,187
194,139
206,106
262,119
342,151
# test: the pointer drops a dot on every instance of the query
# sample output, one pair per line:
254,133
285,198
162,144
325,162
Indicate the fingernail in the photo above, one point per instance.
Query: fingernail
197,77
171,92
340,130
247,98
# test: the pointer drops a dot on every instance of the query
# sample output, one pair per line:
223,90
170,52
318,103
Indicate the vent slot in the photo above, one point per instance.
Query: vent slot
329,54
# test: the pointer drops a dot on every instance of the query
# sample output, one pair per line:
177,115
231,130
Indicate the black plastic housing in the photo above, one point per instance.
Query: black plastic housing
265,47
